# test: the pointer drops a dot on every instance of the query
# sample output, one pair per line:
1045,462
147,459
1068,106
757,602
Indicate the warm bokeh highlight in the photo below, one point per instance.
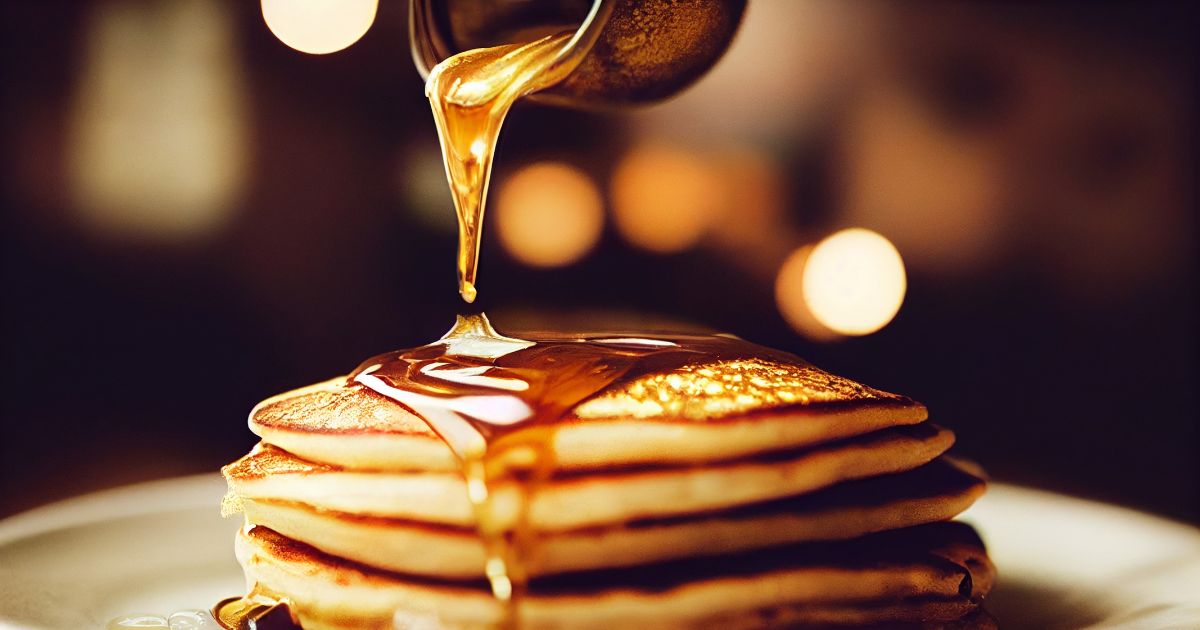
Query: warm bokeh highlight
319,27
850,283
549,214
789,297
664,198
854,282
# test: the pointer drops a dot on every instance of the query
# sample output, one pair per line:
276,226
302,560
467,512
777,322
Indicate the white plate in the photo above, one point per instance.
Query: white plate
161,546
1067,563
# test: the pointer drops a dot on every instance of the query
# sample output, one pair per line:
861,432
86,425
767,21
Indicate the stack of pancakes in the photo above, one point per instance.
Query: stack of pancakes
739,494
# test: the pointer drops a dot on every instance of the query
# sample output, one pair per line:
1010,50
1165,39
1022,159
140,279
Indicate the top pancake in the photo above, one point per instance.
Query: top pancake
697,413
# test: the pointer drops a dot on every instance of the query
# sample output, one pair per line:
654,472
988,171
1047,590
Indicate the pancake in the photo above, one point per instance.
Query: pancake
573,500
935,492
596,481
693,414
930,574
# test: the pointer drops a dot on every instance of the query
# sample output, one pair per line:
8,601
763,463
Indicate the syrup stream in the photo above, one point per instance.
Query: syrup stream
470,94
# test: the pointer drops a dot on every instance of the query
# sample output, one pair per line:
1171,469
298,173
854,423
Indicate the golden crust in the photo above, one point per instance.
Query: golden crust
723,389
339,407
711,392
265,460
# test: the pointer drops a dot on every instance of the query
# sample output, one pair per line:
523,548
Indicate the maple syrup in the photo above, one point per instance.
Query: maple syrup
470,94
254,612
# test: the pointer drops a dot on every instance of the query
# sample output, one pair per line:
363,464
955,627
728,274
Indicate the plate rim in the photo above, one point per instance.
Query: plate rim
170,494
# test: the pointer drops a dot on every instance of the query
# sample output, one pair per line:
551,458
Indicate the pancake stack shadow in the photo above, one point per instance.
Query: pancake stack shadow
824,504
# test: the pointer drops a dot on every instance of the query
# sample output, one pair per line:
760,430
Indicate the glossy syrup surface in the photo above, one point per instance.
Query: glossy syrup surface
496,399
254,611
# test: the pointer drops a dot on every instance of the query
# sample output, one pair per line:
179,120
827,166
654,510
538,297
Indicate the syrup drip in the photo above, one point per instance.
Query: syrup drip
495,400
462,385
470,94
254,612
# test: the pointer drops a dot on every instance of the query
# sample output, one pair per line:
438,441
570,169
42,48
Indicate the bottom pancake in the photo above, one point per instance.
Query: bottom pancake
934,573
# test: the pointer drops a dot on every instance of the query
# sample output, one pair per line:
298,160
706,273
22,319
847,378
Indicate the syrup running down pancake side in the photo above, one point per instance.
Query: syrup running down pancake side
490,397
495,401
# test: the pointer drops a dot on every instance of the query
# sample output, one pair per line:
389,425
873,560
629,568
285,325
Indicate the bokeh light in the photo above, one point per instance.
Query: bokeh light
319,27
664,198
549,214
789,296
854,282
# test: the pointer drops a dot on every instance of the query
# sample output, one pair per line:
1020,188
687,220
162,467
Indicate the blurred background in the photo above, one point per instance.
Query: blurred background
197,216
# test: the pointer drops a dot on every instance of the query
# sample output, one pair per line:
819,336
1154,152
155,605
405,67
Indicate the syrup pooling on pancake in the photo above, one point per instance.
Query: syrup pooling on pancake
488,385
495,399
471,93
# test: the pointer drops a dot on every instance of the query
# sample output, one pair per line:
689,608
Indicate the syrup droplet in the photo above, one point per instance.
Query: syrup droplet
254,612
